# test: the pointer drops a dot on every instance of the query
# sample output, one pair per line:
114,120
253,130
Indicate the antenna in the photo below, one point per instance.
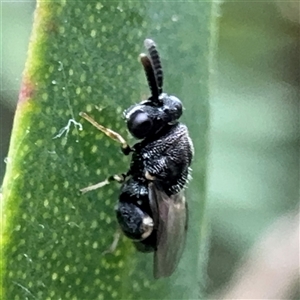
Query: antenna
150,75
155,62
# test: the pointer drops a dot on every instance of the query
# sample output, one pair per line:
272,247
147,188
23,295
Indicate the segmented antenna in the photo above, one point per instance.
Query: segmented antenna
150,75
156,64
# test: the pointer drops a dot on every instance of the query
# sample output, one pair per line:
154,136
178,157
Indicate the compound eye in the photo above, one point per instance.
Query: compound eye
176,107
139,124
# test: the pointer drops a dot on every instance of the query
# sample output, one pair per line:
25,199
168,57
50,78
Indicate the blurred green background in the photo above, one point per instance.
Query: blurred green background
254,132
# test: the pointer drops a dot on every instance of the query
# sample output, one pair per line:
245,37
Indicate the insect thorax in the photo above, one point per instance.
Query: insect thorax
167,157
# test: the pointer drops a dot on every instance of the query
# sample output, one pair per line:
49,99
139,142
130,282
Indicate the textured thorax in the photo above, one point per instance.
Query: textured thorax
165,142
167,157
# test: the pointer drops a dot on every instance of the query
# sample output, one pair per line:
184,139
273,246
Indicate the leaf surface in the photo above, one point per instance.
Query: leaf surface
83,57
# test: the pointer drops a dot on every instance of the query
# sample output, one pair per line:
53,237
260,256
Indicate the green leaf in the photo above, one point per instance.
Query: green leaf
83,57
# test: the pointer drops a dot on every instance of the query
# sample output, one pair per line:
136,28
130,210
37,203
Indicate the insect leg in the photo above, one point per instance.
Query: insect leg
118,178
110,133
114,244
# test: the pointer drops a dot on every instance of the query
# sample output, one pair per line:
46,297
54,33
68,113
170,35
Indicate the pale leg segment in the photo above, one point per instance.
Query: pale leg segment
110,133
118,178
114,244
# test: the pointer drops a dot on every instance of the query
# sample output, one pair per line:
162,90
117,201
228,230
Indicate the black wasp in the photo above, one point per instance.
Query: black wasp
152,210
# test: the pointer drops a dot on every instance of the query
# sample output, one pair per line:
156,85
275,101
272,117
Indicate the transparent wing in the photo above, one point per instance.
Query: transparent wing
171,230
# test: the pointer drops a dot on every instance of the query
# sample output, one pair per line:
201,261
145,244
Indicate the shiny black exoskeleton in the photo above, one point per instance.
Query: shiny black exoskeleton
152,210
